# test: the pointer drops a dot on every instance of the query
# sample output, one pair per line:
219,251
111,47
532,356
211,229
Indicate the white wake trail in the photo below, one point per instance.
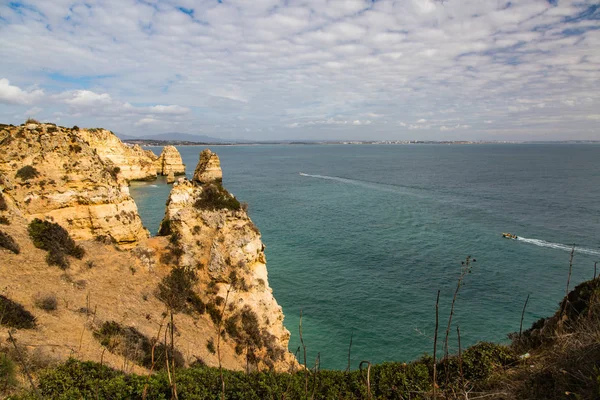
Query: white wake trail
543,243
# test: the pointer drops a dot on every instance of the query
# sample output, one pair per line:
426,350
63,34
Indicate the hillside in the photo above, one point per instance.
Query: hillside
83,273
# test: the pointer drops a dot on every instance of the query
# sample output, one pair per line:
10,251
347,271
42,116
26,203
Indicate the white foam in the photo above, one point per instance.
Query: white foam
558,246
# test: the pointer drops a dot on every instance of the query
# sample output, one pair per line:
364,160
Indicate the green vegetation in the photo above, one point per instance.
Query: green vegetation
215,197
9,243
8,375
27,172
134,346
176,290
76,379
14,315
55,239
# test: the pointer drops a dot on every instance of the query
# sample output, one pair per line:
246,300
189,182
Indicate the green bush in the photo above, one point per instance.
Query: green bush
4,220
8,377
133,345
27,172
176,290
215,197
9,243
14,315
55,239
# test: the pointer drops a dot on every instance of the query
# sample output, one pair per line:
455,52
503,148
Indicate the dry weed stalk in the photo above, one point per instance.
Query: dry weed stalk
360,367
153,361
523,316
219,343
435,337
12,340
304,348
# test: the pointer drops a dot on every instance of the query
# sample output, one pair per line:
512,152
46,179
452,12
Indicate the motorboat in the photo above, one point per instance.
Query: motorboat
509,235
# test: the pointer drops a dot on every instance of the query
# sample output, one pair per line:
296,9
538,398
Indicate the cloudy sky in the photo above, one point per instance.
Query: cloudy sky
306,69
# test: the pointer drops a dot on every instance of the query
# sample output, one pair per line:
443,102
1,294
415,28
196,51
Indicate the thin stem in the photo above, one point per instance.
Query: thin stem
460,364
219,343
22,360
522,316
349,351
304,348
435,337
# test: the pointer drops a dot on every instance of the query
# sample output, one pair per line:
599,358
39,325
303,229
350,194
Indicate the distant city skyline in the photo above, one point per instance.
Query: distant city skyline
480,70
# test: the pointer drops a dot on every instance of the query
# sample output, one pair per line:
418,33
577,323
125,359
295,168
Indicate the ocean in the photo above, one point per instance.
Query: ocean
359,238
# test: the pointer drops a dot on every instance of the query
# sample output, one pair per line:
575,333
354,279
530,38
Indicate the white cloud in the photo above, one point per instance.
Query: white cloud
318,66
10,94
85,98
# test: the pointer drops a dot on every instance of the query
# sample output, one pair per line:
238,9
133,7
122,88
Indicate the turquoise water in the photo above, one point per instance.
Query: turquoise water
362,240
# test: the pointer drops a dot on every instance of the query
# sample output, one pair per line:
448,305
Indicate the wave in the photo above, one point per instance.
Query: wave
383,187
153,185
543,243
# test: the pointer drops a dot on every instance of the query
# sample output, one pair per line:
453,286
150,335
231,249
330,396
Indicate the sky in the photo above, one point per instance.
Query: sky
306,69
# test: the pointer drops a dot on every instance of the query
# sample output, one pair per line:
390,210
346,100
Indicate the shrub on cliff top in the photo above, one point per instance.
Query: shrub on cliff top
132,344
9,243
176,290
216,197
55,239
14,315
27,172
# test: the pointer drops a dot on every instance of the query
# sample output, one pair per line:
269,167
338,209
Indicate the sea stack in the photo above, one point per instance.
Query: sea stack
218,241
170,161
208,169
171,177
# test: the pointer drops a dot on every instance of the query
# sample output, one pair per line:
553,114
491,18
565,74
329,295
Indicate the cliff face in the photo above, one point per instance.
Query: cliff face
169,161
209,168
222,246
52,172
134,162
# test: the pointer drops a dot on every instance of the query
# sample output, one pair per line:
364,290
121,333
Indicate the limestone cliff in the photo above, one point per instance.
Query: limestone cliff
52,172
218,241
169,161
209,168
134,163
210,256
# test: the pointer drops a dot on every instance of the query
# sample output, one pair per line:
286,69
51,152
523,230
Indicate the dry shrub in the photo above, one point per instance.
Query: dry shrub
135,346
46,302
9,243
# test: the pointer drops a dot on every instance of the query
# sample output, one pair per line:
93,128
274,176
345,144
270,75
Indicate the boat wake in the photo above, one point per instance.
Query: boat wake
382,187
543,243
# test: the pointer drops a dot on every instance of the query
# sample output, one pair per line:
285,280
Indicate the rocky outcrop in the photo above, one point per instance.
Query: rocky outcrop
169,161
52,172
216,239
208,169
134,162
171,177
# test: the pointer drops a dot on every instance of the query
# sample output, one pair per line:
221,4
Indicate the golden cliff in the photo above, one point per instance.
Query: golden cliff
207,269
169,161
217,240
133,162
53,172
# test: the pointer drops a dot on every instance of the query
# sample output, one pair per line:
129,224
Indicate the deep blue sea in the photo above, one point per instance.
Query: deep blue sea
361,237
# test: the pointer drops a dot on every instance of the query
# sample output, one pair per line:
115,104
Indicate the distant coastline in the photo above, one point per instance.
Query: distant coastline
154,142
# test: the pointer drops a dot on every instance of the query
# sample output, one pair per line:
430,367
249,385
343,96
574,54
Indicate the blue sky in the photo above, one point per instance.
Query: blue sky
306,69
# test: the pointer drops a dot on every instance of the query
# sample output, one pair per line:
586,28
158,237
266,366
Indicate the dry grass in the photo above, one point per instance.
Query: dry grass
112,293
